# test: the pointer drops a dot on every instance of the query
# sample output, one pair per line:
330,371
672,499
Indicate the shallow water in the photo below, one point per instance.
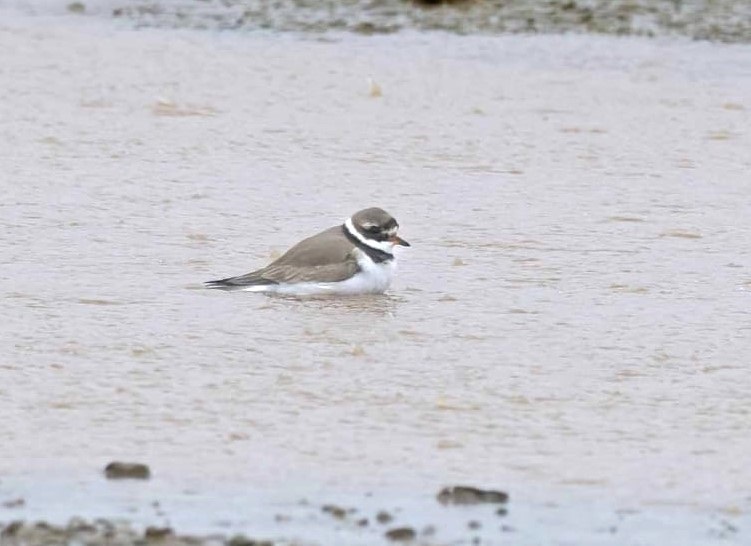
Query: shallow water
572,323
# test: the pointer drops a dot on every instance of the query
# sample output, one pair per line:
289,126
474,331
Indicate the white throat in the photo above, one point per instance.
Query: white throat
383,246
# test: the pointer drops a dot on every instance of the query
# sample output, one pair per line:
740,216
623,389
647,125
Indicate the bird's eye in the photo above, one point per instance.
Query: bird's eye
372,229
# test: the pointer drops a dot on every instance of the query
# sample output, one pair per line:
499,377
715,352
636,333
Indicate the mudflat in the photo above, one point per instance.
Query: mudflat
570,325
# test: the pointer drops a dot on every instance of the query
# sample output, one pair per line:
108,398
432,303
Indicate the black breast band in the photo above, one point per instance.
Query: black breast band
378,256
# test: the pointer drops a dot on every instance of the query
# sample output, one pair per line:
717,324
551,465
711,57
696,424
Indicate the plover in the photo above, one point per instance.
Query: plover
356,257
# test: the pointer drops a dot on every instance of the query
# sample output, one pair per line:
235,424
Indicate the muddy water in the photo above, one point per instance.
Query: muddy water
572,323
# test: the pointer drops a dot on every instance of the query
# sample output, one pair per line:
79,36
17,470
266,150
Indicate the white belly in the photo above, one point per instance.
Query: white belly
373,278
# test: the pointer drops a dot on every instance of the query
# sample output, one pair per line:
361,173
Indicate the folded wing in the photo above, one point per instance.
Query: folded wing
323,258
283,274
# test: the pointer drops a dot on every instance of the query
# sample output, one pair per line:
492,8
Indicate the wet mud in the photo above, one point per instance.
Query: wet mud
721,20
356,521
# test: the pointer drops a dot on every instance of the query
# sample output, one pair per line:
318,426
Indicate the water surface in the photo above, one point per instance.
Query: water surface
571,324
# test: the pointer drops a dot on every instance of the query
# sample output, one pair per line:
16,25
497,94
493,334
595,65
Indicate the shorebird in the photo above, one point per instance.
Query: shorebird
356,257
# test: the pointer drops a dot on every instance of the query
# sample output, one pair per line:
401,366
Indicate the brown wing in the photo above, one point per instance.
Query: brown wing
326,248
315,273
277,274
326,257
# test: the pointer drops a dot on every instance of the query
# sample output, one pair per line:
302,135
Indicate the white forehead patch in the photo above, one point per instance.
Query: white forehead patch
385,246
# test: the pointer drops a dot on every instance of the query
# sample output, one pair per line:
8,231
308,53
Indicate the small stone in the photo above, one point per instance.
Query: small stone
502,511
157,533
428,531
448,444
363,522
242,540
401,534
77,7
366,27
336,511
80,525
384,517
11,529
374,90
14,503
122,471
474,525
470,495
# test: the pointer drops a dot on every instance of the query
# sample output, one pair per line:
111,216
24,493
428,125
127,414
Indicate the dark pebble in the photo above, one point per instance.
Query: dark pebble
14,503
123,471
402,534
157,533
384,517
474,524
11,529
502,511
242,540
428,531
336,511
363,522
77,7
470,495
433,3
78,525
